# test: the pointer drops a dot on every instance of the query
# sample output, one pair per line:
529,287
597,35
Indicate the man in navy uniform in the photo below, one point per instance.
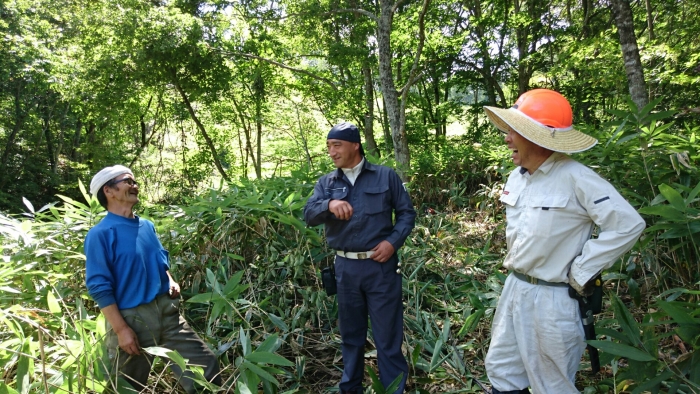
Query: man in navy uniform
367,214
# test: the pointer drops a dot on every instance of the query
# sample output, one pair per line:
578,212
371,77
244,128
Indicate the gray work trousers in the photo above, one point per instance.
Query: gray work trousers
159,323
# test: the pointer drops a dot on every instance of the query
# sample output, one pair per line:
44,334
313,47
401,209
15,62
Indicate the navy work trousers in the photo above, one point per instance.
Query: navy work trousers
366,287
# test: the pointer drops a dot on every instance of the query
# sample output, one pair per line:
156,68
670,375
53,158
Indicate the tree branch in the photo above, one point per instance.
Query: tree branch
355,11
414,74
282,65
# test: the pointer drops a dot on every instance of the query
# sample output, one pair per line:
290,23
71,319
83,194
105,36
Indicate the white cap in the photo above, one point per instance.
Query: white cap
105,175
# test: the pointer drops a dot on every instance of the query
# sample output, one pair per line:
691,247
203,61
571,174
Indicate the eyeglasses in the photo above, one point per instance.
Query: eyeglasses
128,181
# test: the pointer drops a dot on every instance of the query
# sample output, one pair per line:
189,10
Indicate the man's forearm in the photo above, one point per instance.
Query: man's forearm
125,334
114,317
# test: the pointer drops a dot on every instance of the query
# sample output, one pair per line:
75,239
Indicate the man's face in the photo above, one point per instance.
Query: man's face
124,191
525,153
344,154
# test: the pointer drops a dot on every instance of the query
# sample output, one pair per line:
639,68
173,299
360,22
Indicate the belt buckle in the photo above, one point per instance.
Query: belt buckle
532,279
362,255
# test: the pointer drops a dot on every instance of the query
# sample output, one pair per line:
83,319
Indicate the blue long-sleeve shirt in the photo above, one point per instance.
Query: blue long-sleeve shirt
377,198
125,262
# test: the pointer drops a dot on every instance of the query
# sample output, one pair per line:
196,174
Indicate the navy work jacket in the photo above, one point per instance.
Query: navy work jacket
376,198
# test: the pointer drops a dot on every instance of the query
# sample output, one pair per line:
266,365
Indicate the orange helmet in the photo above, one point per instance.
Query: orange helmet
546,107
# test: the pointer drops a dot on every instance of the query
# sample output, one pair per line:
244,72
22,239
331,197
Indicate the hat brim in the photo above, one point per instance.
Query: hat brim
568,141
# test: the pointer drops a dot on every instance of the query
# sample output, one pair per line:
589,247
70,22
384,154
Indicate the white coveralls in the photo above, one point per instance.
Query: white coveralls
537,337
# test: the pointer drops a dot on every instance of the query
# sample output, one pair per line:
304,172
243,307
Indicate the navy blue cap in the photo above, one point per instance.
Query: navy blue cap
346,132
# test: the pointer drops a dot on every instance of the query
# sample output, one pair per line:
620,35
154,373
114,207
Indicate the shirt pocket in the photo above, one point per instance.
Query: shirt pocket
376,199
336,193
509,199
544,211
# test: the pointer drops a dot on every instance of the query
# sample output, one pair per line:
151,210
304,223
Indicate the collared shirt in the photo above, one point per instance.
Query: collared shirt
352,173
551,215
377,197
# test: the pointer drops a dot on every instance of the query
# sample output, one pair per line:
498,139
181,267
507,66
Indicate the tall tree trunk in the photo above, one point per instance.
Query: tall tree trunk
91,141
391,95
20,115
76,140
437,117
259,93
630,52
650,19
302,137
246,130
386,129
50,145
370,143
395,104
201,128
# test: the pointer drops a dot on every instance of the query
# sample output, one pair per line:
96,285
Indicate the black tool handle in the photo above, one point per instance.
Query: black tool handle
589,331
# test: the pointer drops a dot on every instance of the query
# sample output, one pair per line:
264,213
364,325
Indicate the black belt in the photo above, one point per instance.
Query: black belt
535,281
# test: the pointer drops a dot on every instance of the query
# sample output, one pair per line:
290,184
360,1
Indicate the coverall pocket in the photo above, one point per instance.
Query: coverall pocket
543,211
377,199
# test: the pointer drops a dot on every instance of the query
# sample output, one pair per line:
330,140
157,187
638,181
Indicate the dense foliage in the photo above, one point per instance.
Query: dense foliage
221,109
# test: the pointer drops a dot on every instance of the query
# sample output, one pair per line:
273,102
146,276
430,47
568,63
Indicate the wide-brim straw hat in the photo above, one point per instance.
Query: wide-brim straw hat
546,106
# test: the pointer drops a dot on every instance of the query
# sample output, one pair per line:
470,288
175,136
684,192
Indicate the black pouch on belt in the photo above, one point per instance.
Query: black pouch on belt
328,280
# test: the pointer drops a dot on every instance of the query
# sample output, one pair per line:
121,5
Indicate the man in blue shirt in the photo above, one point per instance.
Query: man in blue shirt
127,274
367,215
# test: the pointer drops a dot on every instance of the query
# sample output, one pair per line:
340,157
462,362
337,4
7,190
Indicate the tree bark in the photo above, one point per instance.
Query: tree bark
259,93
395,103
630,52
391,95
650,20
370,143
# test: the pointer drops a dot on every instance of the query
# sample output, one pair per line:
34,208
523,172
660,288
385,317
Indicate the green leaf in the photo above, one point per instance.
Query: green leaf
434,360
622,350
665,211
626,321
688,327
177,358
205,298
653,383
673,196
157,351
268,358
25,368
270,344
261,373
635,292
245,341
279,323
54,306
5,389
241,388
693,193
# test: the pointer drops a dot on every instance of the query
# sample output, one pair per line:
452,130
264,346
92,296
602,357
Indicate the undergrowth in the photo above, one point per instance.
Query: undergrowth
249,271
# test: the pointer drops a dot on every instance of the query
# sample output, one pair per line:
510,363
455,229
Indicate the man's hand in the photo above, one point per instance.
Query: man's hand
584,290
174,290
382,252
128,341
341,209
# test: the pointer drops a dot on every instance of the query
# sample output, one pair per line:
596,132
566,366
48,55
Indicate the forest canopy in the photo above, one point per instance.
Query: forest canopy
193,92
